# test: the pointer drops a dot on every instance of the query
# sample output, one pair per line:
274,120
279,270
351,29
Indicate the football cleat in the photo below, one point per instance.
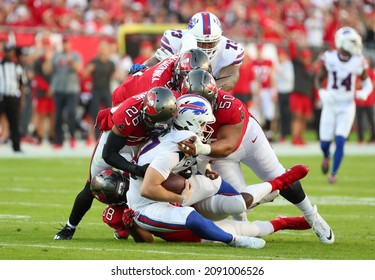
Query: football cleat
332,178
66,233
247,242
121,234
325,165
290,176
320,227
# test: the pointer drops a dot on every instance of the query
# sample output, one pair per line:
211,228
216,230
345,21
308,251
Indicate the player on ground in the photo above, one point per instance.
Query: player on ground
129,125
152,201
238,138
340,68
111,186
225,55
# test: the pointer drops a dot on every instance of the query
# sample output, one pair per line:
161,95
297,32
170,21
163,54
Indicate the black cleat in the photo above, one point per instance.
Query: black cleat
66,233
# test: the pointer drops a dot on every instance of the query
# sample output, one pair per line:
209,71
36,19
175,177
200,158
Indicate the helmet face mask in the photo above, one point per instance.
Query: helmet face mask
347,39
110,187
206,28
202,83
159,107
194,113
190,60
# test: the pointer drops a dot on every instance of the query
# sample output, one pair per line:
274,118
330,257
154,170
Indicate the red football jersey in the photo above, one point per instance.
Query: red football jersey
127,119
230,111
262,71
159,75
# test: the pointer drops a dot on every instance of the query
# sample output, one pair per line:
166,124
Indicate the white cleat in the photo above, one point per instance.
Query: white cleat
320,227
247,242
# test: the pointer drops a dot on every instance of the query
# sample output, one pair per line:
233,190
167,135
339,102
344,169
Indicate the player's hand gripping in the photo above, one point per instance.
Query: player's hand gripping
127,217
186,192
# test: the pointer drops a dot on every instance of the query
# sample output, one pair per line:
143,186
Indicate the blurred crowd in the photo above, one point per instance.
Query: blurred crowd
282,39
310,22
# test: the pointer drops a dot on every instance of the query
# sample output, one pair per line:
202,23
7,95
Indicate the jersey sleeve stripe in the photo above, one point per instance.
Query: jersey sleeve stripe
239,59
165,44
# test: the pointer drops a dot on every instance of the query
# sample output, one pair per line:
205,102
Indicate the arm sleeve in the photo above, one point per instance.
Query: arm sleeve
111,154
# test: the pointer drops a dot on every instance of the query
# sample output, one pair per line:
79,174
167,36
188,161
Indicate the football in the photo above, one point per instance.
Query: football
174,183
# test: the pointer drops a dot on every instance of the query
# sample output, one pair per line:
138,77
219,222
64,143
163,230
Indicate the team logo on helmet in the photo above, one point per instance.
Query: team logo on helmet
185,62
197,107
150,104
192,22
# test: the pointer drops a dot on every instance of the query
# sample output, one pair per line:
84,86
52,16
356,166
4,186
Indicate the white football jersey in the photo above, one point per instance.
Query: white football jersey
342,74
229,52
163,154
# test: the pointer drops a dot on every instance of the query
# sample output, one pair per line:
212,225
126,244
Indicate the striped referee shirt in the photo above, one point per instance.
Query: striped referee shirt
12,77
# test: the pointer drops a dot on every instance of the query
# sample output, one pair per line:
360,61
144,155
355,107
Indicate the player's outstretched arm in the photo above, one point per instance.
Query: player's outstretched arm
228,77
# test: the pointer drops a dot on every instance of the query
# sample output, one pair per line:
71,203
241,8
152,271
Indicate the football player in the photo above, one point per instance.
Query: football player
152,202
128,125
238,138
225,55
164,74
168,73
340,68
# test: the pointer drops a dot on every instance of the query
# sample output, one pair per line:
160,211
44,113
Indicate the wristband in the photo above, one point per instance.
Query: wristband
202,149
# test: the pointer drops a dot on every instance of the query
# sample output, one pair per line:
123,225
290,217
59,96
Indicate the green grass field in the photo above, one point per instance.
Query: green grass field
37,195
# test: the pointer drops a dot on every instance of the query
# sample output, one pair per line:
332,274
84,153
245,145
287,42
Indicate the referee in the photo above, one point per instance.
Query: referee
12,81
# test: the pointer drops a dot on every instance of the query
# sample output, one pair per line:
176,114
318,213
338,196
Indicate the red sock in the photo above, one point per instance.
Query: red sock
278,224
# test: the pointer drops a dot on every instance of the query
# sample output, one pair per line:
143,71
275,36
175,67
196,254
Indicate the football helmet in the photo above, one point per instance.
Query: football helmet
190,60
206,28
194,113
159,107
110,187
347,39
202,83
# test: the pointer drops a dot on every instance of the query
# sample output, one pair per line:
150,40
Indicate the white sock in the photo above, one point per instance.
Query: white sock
258,191
264,227
238,227
220,206
70,225
305,206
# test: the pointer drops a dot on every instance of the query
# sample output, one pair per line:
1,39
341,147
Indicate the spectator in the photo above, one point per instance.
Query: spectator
365,109
45,107
146,50
12,90
65,85
26,114
284,78
301,97
101,70
264,70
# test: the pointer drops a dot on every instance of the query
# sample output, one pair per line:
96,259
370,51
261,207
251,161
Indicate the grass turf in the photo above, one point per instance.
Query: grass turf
37,195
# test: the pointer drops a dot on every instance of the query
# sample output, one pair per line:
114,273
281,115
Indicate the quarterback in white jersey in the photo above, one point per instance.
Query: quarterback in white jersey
152,202
340,68
204,31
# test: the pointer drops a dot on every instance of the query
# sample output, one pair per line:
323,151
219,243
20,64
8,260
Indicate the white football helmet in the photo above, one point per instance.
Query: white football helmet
206,28
194,113
347,39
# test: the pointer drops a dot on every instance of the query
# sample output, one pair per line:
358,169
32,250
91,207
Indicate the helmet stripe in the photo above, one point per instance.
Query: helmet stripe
206,23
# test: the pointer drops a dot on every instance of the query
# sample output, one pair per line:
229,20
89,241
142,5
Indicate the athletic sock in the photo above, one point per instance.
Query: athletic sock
324,145
206,229
258,191
339,153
